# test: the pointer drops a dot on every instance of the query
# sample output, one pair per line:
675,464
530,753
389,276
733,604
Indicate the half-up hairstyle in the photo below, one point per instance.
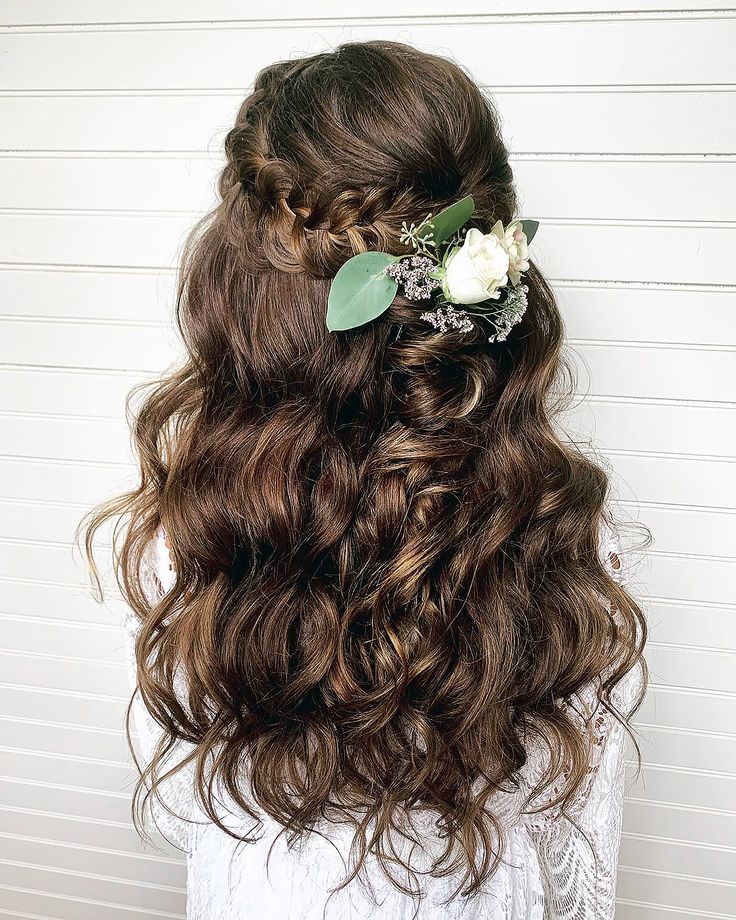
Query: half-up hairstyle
387,560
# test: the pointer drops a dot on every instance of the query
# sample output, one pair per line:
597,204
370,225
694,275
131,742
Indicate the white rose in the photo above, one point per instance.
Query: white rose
476,270
516,245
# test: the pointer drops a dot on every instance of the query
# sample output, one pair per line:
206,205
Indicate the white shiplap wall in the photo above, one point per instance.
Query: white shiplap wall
621,122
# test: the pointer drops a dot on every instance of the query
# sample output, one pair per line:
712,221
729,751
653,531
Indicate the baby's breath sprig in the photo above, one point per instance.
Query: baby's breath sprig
446,317
416,275
504,316
419,237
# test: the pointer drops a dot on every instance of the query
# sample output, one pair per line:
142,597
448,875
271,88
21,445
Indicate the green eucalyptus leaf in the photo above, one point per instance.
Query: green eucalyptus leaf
450,220
530,228
360,291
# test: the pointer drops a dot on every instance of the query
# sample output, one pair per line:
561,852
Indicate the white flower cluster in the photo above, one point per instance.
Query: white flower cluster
475,269
485,262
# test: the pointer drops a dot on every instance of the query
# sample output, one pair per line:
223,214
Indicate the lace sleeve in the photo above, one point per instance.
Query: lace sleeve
173,809
609,547
578,850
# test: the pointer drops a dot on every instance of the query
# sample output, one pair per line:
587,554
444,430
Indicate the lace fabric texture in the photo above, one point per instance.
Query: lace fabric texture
556,866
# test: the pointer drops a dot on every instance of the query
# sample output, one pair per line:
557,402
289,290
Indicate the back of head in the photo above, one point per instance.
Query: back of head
387,560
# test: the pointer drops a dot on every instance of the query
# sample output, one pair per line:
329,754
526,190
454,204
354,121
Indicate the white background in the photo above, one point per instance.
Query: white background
621,126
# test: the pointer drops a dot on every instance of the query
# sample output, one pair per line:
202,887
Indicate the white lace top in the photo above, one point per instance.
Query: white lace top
549,871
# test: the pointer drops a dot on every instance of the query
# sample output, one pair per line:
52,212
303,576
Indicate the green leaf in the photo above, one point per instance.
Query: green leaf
450,220
530,228
360,291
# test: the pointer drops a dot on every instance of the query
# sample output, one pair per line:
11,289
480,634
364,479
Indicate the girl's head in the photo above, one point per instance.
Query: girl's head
387,560
329,154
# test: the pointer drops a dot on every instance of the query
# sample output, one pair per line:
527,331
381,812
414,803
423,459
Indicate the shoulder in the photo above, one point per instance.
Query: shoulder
627,692
609,548
157,567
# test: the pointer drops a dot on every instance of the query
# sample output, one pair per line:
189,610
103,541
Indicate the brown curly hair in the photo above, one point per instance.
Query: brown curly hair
387,560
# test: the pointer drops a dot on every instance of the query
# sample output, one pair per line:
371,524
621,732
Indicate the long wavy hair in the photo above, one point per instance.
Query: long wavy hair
387,559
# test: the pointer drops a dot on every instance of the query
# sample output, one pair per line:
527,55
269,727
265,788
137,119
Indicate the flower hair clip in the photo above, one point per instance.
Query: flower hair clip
470,268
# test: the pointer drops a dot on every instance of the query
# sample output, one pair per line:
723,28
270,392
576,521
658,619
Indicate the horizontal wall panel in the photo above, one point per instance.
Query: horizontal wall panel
634,910
39,598
675,624
619,123
82,832
685,788
74,344
57,907
673,480
695,669
36,521
32,765
101,757
155,123
652,427
98,862
570,187
626,189
65,438
673,750
584,122
26,521
151,240
663,856
106,295
87,711
77,392
115,183
681,530
68,885
80,393
670,622
686,824
202,57
630,252
666,254
57,563
47,12
655,373
647,314
681,893
604,370
665,748
49,637
692,578
60,481
76,802
678,708
666,480
677,530
70,674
